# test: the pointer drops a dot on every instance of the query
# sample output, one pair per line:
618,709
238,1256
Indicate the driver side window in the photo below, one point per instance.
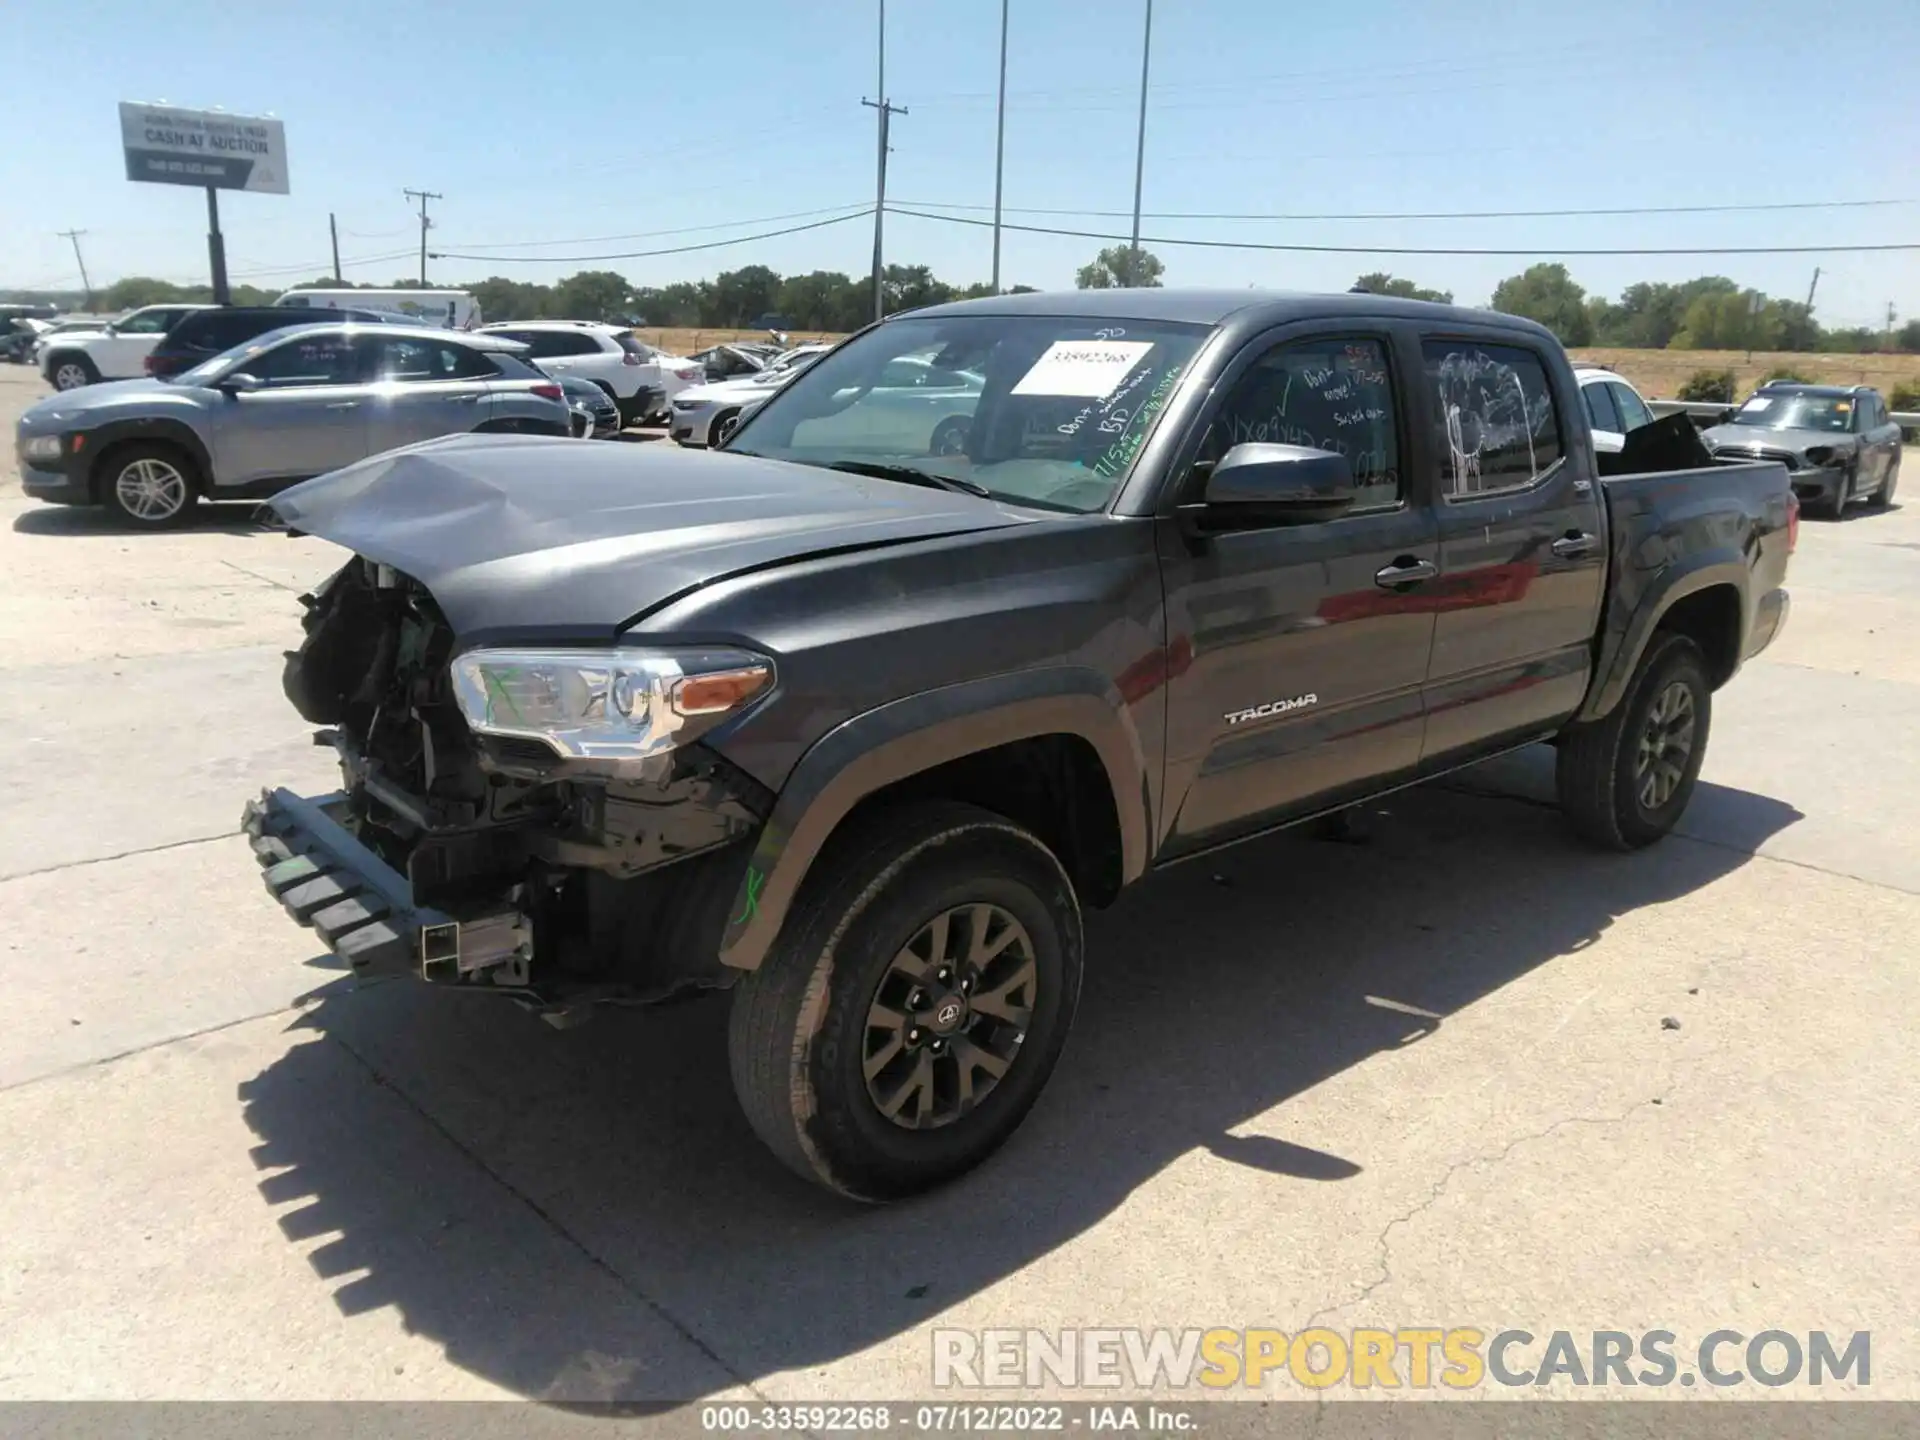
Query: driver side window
1327,394
312,360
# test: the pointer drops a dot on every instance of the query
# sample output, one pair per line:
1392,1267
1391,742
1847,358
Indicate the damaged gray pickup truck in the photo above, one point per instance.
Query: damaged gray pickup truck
853,715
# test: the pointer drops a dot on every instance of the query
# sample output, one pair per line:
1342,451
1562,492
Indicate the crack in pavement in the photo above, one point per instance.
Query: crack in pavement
1538,804
121,855
263,579
553,1223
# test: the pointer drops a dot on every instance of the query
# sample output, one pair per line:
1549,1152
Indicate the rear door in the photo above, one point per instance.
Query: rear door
1304,647
308,416
1522,560
1879,442
1603,416
423,388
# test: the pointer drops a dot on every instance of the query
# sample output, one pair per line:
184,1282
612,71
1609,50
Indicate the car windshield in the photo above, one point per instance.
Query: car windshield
214,366
1797,412
1050,411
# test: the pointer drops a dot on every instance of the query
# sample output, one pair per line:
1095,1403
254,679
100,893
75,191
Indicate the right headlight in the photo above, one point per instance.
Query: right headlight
619,704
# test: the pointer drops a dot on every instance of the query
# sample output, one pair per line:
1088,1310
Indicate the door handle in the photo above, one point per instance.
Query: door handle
1574,544
1405,571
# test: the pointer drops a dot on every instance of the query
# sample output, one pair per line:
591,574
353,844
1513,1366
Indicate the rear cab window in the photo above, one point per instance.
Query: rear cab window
1494,410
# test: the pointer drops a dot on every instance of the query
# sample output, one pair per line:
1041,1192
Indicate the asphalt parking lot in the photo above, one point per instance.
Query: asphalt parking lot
1425,1080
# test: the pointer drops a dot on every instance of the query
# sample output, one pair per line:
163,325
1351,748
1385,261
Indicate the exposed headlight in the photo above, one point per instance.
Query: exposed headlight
606,704
43,447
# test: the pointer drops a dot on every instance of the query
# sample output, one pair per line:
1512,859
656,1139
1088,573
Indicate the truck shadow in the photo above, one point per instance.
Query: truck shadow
1214,992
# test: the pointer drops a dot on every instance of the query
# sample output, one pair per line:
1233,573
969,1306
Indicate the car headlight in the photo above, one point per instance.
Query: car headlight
606,704
43,447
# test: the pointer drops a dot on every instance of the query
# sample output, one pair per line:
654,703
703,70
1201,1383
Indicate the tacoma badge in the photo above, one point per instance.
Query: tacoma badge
1272,707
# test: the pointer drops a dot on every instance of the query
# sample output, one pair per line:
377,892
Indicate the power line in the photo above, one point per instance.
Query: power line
1422,214
653,234
1423,250
859,214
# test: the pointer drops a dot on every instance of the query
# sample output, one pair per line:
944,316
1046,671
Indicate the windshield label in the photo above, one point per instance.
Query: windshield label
1759,402
1085,369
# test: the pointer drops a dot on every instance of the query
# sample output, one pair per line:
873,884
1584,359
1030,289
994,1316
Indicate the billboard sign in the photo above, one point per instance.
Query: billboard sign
207,148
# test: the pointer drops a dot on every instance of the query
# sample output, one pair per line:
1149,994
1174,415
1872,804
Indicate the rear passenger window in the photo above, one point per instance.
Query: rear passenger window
1494,411
1598,398
1327,394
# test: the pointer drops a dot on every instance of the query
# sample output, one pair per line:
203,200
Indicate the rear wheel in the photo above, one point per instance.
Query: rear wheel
70,372
1883,497
1625,781
151,487
915,1004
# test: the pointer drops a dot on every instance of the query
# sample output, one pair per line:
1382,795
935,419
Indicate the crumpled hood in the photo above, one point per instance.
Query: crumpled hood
1747,437
526,537
741,387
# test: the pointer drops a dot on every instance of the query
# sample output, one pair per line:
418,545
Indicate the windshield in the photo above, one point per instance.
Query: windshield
1040,410
214,366
1797,412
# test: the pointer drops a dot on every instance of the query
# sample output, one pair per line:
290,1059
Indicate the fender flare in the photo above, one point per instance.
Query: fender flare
1623,643
907,737
164,429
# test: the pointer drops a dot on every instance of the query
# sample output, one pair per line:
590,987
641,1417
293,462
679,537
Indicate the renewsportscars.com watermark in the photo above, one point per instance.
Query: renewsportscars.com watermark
1407,1358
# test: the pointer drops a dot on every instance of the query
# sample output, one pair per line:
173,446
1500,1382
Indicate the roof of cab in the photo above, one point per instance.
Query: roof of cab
1216,307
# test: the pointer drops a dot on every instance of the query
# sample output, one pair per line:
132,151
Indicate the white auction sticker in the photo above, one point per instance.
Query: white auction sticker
1758,402
1084,369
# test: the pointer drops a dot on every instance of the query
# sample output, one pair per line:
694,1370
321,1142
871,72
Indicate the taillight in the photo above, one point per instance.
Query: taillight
627,357
152,368
548,392
691,373
1793,522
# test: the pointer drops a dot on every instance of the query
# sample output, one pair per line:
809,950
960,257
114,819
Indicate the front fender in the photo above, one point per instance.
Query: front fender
167,429
907,737
1642,601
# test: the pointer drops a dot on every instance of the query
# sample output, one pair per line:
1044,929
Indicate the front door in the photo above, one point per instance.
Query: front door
1522,555
1304,647
425,388
307,416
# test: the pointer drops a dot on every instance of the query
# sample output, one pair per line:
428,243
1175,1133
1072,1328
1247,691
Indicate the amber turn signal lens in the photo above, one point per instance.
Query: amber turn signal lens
719,692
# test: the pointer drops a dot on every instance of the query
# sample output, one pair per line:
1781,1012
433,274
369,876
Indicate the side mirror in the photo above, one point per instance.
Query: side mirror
239,383
1259,484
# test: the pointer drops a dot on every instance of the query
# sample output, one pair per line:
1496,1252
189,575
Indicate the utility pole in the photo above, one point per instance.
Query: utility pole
425,224
1000,147
1811,288
333,233
886,111
1892,316
80,260
1140,149
217,250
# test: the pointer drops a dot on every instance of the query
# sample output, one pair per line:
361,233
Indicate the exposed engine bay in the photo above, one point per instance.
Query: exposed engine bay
566,880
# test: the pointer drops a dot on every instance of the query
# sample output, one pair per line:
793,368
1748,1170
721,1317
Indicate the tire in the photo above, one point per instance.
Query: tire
149,486
1834,507
1883,497
70,372
1604,791
802,1032
950,436
723,426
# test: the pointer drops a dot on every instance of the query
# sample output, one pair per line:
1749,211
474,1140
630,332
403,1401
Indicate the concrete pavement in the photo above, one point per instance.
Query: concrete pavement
1421,1081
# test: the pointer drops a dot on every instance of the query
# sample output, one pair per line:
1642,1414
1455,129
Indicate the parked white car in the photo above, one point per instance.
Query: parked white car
1613,407
116,351
641,379
704,415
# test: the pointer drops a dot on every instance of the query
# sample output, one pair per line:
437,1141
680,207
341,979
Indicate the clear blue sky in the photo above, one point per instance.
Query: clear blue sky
549,121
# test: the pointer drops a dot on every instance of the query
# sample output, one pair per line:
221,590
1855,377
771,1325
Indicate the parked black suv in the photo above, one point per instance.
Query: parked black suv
205,333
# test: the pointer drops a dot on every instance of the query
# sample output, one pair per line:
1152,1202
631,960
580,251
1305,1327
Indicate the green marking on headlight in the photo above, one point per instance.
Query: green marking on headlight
497,693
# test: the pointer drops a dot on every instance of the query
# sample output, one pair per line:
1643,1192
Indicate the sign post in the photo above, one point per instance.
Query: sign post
208,148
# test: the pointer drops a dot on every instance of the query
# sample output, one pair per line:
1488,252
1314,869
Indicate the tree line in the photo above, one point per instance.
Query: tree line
1711,312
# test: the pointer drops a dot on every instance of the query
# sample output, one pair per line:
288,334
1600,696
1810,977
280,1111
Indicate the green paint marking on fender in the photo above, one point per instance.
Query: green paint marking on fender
751,908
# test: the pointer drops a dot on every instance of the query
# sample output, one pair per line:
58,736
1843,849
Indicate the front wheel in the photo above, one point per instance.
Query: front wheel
724,424
1625,781
915,1004
151,487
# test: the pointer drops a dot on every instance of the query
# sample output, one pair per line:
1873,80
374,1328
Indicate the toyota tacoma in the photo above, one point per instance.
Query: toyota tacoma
856,730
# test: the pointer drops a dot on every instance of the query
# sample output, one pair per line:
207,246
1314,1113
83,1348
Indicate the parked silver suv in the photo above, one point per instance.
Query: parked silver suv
276,410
